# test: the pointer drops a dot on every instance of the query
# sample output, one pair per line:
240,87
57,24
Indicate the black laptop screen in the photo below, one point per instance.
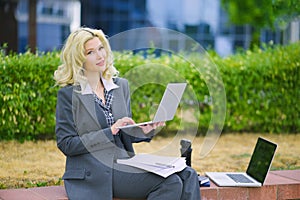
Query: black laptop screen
261,159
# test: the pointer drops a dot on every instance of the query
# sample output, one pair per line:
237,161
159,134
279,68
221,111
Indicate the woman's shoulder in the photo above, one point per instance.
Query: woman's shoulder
66,90
120,81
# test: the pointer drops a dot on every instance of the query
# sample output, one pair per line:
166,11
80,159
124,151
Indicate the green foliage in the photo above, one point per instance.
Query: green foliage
261,13
254,12
288,9
27,95
262,90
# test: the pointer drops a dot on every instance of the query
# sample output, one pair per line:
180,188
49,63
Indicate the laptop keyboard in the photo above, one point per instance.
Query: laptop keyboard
239,178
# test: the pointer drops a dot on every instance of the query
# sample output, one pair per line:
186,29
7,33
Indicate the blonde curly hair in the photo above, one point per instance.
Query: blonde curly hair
70,72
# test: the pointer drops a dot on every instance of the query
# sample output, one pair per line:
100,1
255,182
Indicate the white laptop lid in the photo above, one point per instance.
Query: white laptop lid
169,102
257,170
167,106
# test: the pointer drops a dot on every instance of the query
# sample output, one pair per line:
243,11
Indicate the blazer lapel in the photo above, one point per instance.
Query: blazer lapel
89,103
119,108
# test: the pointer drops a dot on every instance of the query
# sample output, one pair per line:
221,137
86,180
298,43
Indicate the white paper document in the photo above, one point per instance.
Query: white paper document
161,165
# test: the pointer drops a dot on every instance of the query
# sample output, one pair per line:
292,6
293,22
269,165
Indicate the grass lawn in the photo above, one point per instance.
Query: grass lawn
40,163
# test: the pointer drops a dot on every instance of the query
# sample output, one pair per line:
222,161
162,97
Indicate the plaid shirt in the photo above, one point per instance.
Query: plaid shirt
107,106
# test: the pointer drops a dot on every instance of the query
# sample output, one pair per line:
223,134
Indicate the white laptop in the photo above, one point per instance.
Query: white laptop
257,170
167,106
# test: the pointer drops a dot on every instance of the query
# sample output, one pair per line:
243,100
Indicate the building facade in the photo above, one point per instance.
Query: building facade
203,20
55,19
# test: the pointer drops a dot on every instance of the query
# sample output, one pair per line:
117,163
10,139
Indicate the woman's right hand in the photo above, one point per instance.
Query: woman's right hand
121,122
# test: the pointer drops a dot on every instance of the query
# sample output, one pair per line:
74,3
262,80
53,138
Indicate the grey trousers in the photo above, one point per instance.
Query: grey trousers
132,183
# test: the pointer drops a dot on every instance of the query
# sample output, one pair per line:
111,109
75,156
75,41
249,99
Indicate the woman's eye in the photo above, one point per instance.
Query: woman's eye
89,52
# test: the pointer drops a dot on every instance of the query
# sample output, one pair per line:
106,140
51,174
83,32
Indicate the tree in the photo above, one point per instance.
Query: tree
286,10
32,26
261,14
9,35
9,24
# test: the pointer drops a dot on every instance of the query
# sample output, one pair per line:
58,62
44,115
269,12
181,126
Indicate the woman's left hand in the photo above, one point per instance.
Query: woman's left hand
149,127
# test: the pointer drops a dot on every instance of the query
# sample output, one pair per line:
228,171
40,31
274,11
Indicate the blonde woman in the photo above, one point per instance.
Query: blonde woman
91,104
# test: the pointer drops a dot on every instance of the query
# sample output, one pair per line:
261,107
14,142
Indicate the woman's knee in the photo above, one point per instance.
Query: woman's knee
175,181
189,172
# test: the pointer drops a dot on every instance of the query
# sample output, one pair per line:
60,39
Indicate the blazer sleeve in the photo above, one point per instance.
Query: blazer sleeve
137,134
68,139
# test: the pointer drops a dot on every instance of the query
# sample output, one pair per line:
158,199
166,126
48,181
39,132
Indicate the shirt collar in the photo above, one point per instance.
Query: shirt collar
108,85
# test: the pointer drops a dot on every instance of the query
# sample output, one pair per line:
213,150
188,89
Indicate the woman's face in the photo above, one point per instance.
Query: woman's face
95,56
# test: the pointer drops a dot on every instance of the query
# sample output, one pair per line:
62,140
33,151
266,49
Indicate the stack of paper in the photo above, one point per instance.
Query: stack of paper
161,165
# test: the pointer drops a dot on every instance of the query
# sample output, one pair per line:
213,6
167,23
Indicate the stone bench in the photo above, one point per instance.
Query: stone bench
278,185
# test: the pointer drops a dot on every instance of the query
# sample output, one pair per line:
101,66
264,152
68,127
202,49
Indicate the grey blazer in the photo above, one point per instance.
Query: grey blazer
84,136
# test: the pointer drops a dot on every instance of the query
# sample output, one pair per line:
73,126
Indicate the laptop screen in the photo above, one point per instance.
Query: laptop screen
261,159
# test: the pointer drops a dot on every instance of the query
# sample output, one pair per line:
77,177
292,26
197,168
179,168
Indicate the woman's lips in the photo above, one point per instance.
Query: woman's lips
101,63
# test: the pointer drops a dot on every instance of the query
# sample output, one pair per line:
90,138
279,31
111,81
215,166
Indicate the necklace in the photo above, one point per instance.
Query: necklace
96,87
99,91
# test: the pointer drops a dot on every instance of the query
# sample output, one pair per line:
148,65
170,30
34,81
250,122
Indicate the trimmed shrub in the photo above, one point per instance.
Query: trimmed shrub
262,89
28,95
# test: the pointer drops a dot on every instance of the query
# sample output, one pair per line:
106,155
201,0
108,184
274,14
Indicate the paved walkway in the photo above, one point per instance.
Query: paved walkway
278,185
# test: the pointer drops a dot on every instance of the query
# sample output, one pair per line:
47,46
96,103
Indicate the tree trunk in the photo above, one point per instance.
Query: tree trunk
9,24
32,26
255,40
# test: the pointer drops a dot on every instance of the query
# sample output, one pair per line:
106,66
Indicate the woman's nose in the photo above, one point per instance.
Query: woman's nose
100,54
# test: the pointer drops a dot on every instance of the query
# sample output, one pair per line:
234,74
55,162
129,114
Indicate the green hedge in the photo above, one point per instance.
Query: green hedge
262,89
28,96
